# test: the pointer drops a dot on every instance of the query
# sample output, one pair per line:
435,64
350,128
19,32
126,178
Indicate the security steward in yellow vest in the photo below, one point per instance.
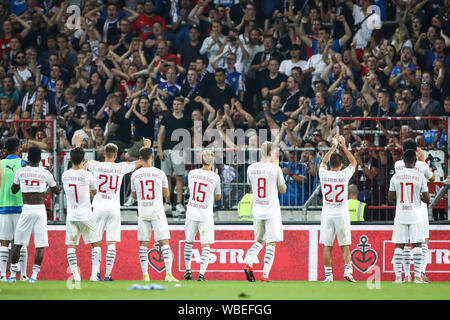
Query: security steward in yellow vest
245,207
357,209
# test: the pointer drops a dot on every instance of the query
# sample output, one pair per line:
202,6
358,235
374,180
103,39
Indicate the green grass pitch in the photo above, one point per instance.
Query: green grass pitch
225,290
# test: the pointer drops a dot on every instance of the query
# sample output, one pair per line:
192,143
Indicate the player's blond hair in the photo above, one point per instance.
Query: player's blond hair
111,150
267,148
207,157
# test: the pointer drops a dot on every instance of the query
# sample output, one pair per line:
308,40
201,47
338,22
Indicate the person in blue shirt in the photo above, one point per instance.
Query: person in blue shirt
432,56
436,135
295,176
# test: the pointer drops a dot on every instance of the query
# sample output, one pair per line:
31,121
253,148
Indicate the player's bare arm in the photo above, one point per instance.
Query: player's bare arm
347,152
392,197
426,197
327,156
282,189
147,144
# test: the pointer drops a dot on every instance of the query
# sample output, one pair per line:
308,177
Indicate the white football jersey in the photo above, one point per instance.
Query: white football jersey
408,185
420,166
334,185
203,186
148,183
264,179
108,179
34,179
77,186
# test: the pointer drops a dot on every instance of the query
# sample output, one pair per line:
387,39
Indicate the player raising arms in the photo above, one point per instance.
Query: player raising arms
149,185
204,188
10,207
266,180
32,180
408,187
106,205
424,168
335,220
79,188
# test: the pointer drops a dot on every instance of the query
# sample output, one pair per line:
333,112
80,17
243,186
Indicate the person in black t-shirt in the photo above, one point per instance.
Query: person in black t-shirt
171,151
348,109
190,50
222,93
144,123
119,127
273,82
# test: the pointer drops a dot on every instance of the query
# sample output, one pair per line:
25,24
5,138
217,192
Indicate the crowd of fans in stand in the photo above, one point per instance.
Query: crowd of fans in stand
133,69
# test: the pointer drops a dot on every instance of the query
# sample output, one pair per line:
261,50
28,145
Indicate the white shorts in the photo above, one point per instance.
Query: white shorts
331,227
33,219
426,221
8,223
159,226
269,230
408,233
109,221
205,228
88,229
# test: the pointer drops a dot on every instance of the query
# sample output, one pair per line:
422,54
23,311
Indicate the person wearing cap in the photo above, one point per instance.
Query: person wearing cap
425,106
295,61
190,50
406,73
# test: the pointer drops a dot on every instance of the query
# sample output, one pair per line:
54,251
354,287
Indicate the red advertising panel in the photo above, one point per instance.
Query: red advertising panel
226,258
372,251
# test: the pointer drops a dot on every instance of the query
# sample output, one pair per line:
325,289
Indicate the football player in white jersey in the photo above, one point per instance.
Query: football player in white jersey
408,188
204,188
335,219
266,181
32,180
424,168
149,186
106,204
79,188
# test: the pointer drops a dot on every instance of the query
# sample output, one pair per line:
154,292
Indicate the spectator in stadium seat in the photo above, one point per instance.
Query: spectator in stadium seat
119,127
290,95
190,50
142,25
144,123
435,137
168,89
348,109
294,61
273,117
431,56
70,113
447,106
8,90
383,107
425,105
85,132
295,175
406,73
273,82
221,93
213,43
368,169
260,62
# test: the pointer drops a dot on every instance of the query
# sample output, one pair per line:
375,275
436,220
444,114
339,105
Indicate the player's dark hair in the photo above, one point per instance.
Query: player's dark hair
77,155
34,154
146,153
11,145
409,157
409,144
336,160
